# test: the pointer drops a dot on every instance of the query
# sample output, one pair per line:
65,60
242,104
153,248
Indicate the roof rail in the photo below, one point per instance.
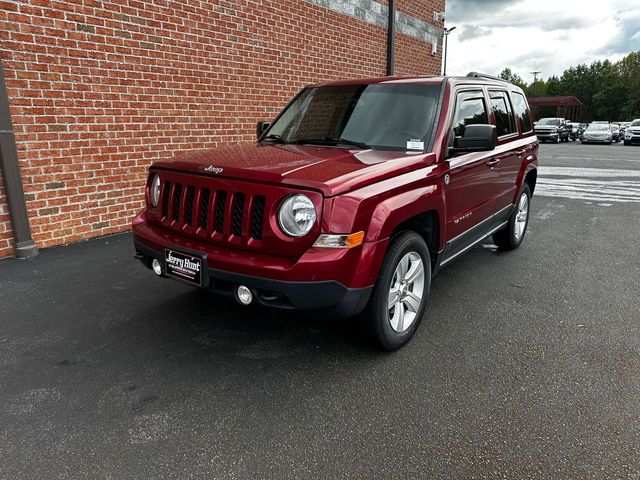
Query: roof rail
484,75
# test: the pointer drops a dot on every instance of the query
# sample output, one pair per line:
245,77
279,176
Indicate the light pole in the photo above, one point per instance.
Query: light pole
446,32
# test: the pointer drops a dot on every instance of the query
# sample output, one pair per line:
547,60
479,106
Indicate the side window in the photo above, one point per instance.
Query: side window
522,111
505,123
470,110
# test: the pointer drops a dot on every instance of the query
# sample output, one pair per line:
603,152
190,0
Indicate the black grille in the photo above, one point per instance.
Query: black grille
220,204
177,196
236,219
210,210
165,200
204,207
257,216
188,214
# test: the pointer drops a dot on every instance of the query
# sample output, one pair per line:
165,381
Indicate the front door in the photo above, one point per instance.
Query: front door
473,178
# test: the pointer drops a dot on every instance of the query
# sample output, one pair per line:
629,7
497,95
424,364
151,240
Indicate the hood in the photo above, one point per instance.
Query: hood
331,170
597,133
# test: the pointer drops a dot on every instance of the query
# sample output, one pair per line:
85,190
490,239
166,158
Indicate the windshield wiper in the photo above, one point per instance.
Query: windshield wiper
334,141
275,137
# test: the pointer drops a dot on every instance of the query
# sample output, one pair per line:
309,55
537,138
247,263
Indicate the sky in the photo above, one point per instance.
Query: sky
538,35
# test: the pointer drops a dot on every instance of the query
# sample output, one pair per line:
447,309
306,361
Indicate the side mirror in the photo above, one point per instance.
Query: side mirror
476,138
261,127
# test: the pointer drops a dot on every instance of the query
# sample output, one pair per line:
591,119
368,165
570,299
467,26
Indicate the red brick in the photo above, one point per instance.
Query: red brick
101,89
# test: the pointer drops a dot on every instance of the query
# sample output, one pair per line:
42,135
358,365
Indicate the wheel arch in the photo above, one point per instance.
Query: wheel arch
531,179
427,225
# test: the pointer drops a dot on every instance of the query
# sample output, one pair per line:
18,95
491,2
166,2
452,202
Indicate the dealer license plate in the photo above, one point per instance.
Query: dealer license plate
183,266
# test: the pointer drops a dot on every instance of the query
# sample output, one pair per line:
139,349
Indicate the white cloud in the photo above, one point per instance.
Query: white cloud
538,35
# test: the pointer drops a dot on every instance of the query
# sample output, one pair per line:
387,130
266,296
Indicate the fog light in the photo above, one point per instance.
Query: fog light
157,268
244,295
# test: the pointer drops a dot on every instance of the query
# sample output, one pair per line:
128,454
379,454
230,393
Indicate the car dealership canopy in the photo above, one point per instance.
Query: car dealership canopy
566,106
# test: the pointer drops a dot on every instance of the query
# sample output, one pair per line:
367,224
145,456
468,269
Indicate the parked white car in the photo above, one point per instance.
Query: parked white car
632,132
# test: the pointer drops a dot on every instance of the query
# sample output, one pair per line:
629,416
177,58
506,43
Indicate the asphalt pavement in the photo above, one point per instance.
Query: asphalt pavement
527,365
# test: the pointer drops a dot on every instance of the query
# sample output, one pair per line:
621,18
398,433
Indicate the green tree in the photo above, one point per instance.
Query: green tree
553,87
630,79
608,91
514,78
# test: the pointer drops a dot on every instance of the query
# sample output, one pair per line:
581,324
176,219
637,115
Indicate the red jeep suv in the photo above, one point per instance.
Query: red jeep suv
351,200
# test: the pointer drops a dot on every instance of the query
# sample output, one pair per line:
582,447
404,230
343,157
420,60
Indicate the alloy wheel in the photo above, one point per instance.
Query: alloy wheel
522,216
406,291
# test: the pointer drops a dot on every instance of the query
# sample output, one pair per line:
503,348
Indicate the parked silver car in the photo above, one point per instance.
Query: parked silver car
597,133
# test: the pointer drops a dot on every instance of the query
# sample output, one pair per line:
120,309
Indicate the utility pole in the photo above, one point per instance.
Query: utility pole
533,91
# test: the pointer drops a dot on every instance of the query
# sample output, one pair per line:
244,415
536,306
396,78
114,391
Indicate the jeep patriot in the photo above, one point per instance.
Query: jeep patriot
350,201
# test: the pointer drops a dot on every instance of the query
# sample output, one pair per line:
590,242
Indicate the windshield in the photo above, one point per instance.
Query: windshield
382,116
635,123
549,121
598,126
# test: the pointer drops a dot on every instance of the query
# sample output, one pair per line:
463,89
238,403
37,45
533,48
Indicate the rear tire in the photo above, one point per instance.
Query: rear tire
404,282
511,236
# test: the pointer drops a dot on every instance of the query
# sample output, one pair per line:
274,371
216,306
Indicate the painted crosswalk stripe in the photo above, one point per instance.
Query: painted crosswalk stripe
590,184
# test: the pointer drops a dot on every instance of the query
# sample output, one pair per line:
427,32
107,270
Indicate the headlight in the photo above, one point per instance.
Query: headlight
154,192
297,215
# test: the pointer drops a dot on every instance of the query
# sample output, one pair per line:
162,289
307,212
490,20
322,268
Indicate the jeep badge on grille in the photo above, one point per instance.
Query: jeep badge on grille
212,169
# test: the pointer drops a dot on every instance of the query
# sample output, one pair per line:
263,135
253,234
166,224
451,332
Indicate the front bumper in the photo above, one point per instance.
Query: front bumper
634,138
587,139
330,298
334,282
544,136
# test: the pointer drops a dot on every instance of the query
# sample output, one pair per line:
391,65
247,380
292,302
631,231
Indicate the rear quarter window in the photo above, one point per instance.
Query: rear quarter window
522,111
505,123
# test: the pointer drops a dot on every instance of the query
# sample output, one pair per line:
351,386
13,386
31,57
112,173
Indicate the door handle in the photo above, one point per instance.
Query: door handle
493,163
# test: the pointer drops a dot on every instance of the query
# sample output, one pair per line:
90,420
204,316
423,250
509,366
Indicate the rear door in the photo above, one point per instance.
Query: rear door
508,152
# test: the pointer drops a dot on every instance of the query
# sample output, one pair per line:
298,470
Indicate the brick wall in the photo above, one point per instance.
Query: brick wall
100,89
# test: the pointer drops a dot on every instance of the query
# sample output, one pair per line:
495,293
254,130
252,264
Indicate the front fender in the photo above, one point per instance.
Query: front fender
380,208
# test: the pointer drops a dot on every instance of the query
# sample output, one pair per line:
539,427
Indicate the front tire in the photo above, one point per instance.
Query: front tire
511,236
399,298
